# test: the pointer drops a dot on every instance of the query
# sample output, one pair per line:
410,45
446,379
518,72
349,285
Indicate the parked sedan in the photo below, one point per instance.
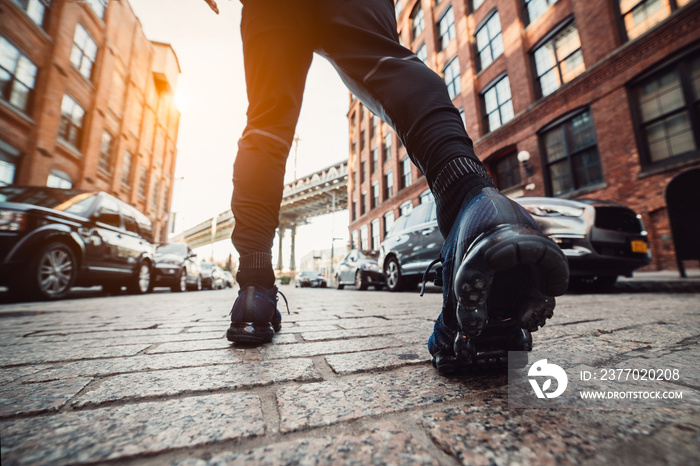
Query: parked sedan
177,267
52,239
311,279
360,269
602,240
212,276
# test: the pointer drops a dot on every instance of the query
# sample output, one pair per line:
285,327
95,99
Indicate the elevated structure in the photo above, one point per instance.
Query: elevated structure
319,193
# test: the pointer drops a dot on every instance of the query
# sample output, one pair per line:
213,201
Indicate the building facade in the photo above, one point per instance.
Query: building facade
601,98
86,101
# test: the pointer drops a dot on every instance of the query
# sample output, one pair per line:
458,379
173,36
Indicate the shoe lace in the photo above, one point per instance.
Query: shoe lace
285,301
438,280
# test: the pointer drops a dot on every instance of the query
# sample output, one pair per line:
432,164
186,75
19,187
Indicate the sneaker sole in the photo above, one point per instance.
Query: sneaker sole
507,279
250,333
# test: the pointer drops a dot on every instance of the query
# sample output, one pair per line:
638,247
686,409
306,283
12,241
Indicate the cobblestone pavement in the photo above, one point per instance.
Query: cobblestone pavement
152,380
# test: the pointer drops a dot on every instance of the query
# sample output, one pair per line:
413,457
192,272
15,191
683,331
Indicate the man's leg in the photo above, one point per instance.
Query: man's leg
277,51
499,271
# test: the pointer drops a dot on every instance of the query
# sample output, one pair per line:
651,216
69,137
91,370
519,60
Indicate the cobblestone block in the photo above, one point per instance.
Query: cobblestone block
38,397
137,429
13,373
146,362
326,347
384,444
379,359
193,345
325,403
56,353
409,327
178,381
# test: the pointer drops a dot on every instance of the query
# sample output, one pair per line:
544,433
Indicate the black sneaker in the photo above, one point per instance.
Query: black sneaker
499,276
254,316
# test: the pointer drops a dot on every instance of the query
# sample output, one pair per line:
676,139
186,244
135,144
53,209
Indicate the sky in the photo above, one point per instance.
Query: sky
211,97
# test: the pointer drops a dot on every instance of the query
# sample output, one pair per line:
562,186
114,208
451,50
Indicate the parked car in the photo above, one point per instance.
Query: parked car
310,278
52,239
602,240
228,279
176,266
212,276
360,269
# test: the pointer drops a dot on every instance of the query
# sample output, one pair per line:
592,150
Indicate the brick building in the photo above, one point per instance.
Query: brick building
86,101
604,95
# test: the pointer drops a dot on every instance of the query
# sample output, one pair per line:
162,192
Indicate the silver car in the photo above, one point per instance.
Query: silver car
602,240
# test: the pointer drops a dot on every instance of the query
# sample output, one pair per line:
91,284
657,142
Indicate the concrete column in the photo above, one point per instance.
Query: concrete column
292,260
280,234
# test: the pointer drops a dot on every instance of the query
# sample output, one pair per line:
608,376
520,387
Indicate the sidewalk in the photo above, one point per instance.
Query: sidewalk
151,380
664,281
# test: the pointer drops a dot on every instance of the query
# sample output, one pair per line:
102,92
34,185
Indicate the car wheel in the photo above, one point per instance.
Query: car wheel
198,285
141,281
181,284
338,285
360,281
392,271
52,272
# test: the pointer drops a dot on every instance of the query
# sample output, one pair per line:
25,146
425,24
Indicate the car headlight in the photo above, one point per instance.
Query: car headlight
370,267
12,221
554,211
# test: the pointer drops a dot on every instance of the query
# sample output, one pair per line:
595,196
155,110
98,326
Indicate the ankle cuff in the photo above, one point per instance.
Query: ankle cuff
455,170
256,260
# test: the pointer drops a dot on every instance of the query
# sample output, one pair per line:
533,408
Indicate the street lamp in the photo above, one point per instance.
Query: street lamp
524,159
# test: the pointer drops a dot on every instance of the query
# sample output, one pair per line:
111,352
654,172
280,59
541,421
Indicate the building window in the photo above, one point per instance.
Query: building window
354,180
166,193
498,106
386,149
373,128
669,103
559,60
17,76
388,185
9,157
354,243
405,208
476,4
376,234
84,51
388,222
451,72
639,16
363,167
446,26
489,41
422,53
70,127
426,196
154,194
59,179
364,238
417,22
363,203
507,170
536,8
143,177
98,6
398,8
571,155
405,172
362,139
374,162
106,152
35,9
126,169
375,195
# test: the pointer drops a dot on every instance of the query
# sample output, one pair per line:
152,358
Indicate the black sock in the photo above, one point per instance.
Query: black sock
460,179
256,269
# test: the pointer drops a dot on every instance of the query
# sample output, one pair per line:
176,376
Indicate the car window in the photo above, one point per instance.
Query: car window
399,225
108,212
419,215
173,248
129,222
66,200
145,225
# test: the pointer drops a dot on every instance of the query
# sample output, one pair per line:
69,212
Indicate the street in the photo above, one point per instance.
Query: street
152,380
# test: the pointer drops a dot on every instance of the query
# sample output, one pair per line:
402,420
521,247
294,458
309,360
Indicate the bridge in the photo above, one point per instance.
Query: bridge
319,193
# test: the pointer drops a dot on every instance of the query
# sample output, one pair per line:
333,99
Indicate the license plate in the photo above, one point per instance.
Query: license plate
639,246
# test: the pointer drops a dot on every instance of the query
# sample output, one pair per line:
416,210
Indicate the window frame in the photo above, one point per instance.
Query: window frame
418,8
10,87
455,84
484,25
482,95
550,37
527,20
79,67
546,172
624,34
679,62
451,30
64,130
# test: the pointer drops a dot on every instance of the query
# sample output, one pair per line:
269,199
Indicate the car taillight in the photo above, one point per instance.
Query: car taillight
12,221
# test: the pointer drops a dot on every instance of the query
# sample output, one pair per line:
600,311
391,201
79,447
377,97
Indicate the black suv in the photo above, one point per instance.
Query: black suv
52,239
